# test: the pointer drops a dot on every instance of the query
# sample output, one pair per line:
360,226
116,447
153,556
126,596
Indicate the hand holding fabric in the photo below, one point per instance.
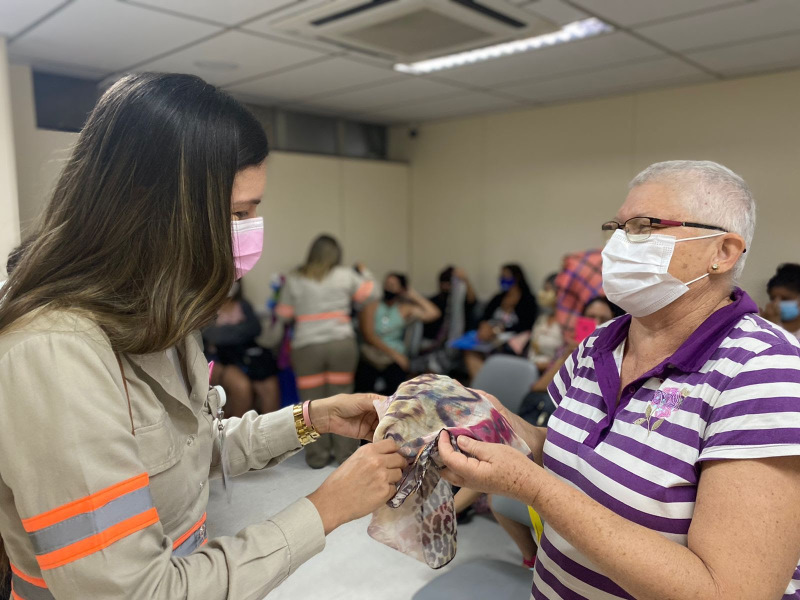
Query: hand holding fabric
490,468
350,415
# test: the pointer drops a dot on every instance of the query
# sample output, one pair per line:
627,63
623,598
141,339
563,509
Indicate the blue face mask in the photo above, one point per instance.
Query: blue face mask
790,310
506,284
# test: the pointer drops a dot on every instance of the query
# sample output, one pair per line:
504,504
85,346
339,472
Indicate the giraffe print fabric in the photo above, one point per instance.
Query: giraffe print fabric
419,520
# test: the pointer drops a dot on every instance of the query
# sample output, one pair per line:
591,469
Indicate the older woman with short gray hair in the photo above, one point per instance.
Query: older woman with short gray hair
671,467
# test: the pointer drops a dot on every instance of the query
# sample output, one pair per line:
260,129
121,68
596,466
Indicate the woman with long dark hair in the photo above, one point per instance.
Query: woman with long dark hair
109,428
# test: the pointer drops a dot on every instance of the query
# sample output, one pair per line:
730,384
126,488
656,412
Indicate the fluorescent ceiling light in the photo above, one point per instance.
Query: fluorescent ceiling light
576,30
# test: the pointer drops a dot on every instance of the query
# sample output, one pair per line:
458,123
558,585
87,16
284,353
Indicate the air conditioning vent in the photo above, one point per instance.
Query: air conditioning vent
411,30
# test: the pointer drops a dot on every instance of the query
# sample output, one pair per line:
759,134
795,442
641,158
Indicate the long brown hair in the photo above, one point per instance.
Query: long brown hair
137,234
325,253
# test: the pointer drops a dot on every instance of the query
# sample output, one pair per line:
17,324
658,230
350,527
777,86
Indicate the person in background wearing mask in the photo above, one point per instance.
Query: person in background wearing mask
513,309
784,298
318,298
547,337
383,326
110,430
246,371
433,330
676,424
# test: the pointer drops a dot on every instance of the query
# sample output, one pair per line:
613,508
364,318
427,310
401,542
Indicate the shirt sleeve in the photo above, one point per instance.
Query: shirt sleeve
257,441
757,414
285,309
363,287
83,496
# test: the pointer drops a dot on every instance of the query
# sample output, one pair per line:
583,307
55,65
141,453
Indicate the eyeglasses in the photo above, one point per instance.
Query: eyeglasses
638,229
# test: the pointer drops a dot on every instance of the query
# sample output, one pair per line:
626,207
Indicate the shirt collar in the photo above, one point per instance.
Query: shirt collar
700,345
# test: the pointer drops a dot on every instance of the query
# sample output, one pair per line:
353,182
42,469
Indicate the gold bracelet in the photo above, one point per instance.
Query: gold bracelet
305,434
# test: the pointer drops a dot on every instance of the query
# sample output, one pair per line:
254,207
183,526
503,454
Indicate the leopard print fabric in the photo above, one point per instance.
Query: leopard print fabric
419,520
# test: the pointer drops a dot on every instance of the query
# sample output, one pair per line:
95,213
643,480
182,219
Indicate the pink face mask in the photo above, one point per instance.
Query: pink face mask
248,241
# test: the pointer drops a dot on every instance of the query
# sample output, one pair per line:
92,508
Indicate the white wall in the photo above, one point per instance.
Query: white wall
9,214
531,185
40,152
363,203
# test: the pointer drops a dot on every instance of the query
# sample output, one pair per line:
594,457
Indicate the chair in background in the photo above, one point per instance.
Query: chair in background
509,378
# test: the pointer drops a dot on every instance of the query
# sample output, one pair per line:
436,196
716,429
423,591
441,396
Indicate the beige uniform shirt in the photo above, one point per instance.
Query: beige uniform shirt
89,510
321,309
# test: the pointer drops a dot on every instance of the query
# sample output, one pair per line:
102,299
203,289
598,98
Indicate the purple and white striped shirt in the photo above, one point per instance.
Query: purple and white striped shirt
731,391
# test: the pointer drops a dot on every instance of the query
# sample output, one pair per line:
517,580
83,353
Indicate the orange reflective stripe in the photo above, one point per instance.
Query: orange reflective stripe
326,316
308,382
14,596
37,581
339,378
364,290
284,310
87,504
186,535
97,542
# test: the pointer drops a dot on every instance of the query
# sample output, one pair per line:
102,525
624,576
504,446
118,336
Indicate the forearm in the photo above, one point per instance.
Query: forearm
257,441
429,311
643,562
544,381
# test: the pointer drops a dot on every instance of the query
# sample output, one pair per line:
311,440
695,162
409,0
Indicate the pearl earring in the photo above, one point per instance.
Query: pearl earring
714,267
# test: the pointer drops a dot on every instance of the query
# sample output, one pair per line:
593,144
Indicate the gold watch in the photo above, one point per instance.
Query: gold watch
305,434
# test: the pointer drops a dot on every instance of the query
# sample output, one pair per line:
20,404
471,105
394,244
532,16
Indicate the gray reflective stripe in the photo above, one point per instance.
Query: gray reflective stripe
28,591
192,543
85,525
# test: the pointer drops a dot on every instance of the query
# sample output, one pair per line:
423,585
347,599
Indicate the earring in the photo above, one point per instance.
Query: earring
714,267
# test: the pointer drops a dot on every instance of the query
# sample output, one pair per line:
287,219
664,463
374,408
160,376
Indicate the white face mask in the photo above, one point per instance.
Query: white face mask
636,276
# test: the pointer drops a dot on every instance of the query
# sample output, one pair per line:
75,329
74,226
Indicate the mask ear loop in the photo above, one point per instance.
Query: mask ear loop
701,237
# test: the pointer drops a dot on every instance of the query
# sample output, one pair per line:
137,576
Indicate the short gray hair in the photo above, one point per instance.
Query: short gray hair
714,194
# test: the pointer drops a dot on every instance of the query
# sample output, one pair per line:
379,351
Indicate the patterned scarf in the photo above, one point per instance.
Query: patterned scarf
420,519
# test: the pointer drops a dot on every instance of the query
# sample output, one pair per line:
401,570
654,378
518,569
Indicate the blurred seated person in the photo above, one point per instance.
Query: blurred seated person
437,331
246,371
537,405
547,337
784,298
512,311
457,304
383,326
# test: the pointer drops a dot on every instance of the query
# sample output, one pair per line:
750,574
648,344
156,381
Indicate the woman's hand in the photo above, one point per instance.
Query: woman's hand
490,468
363,483
402,361
350,415
486,332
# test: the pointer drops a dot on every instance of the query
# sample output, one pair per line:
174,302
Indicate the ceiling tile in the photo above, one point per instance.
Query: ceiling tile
16,15
314,80
412,89
590,53
728,26
555,10
106,36
212,59
627,13
774,53
227,12
662,71
463,104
